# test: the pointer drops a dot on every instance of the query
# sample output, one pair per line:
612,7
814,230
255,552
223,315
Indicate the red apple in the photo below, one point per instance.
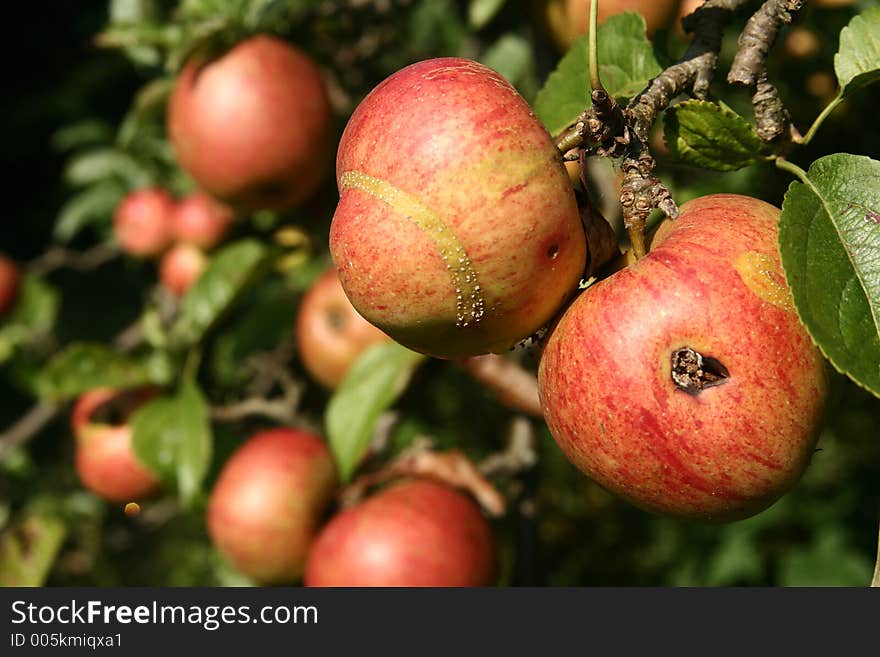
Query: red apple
457,232
142,222
567,20
10,281
253,127
330,334
685,383
180,267
413,533
105,461
201,220
265,509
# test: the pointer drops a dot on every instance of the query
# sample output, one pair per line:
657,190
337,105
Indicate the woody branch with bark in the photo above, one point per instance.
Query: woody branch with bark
609,130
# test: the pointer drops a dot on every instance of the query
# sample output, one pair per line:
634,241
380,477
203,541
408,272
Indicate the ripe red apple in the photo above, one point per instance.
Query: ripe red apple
180,267
253,127
685,383
267,504
105,461
142,222
201,220
330,334
10,281
413,533
568,19
457,231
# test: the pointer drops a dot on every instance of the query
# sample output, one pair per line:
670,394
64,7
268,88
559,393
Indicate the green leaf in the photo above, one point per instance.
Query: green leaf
84,366
827,561
435,27
94,204
96,165
32,317
511,56
711,136
373,383
88,132
829,236
229,272
857,63
133,11
481,12
172,436
626,64
28,550
265,320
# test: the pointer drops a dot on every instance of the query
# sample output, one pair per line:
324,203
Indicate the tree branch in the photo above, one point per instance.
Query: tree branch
624,133
58,257
453,468
514,386
749,66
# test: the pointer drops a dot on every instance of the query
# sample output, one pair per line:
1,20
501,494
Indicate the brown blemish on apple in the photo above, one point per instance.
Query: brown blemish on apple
764,277
470,305
692,372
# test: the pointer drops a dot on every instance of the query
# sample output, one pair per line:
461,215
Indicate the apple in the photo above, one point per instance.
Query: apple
567,20
265,508
10,281
686,383
253,126
142,222
412,533
105,461
180,267
457,232
201,220
330,334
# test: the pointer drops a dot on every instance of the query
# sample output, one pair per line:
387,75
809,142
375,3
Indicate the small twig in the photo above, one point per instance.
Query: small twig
58,257
453,468
749,66
27,426
42,413
641,191
624,133
519,454
283,409
515,387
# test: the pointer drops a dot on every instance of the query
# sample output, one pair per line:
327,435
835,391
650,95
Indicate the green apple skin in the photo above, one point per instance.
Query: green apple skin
713,283
457,232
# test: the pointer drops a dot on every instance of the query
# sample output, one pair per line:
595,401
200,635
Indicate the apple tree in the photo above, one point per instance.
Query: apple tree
443,292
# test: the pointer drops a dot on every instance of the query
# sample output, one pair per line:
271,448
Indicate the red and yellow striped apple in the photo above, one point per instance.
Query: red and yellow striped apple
10,281
457,232
253,126
686,383
266,506
330,334
413,533
105,461
201,220
180,267
142,222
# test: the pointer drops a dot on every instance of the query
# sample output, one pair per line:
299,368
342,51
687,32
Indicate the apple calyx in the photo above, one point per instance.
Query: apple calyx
693,372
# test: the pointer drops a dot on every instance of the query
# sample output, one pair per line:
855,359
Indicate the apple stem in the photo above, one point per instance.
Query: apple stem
595,80
829,108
